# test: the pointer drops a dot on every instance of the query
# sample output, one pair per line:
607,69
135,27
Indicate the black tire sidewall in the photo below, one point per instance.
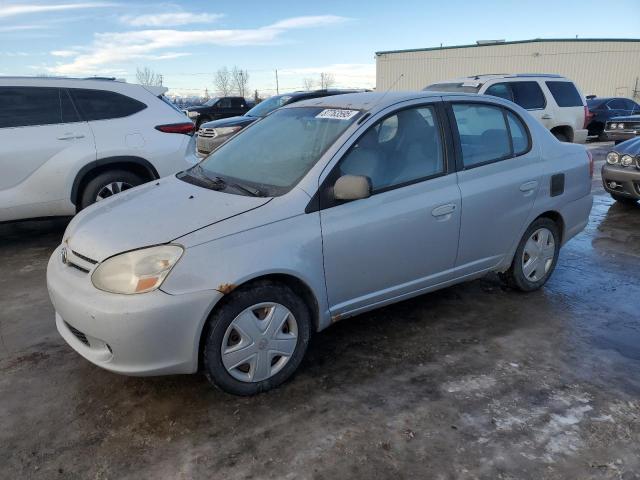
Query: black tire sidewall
561,137
623,200
222,317
520,280
92,188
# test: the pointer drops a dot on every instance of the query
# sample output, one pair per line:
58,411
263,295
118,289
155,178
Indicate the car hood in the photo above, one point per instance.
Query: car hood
625,118
631,147
230,122
151,214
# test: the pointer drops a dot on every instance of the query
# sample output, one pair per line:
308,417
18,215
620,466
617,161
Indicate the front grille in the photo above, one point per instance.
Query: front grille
78,334
86,259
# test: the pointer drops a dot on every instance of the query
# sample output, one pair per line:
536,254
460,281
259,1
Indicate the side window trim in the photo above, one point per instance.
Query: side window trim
455,134
320,200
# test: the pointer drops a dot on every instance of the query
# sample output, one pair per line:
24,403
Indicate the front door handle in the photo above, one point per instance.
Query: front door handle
443,210
70,136
529,186
547,116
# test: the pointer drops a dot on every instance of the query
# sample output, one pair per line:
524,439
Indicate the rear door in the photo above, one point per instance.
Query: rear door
40,133
498,178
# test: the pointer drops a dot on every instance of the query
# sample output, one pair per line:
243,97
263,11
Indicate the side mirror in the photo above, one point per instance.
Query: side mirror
352,187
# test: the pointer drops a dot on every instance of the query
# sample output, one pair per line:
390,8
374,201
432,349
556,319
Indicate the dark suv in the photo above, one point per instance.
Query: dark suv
604,109
213,134
216,108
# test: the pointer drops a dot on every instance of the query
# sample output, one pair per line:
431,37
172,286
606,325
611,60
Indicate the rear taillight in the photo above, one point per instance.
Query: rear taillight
591,165
587,117
186,128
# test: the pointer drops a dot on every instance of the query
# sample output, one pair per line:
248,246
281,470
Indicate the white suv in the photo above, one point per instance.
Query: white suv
553,100
67,143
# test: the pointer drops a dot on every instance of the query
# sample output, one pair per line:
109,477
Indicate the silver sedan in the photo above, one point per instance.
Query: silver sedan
323,210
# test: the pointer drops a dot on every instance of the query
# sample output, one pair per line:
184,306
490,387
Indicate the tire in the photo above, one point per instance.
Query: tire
249,303
561,136
623,199
123,179
515,277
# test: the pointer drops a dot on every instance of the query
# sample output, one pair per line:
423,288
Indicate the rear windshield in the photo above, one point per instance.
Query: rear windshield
276,152
454,87
565,94
269,105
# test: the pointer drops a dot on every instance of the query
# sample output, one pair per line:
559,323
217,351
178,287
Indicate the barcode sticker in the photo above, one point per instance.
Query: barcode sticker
337,114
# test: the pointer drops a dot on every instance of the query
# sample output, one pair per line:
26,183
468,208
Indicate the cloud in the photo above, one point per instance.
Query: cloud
27,8
169,19
63,53
345,74
114,48
19,28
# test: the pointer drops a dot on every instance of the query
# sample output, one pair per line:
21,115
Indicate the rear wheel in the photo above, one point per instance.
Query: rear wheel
535,257
257,338
561,136
108,184
623,199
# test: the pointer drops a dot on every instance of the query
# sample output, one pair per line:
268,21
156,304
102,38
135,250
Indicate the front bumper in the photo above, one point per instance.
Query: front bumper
621,135
621,180
580,135
147,334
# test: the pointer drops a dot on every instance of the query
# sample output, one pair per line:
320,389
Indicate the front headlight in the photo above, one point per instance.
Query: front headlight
612,158
193,114
138,271
613,126
621,126
223,131
626,160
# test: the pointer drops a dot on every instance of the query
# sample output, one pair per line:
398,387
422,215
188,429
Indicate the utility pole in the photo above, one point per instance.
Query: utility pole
277,85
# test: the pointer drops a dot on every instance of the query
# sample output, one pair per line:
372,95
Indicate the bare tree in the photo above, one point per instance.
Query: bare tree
240,80
223,82
146,76
256,97
308,83
326,81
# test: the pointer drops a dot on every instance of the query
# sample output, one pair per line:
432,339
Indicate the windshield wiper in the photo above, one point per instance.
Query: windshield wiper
216,182
254,192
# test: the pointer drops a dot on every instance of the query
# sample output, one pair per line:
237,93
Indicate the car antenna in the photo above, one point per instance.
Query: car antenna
364,117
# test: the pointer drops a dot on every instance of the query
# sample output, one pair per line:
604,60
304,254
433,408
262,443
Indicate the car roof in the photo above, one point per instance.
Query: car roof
367,101
106,83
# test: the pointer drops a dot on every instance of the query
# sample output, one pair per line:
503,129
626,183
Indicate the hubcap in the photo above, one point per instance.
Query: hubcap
538,255
111,189
259,342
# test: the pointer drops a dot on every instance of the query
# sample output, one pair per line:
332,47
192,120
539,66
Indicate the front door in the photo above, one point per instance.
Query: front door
404,237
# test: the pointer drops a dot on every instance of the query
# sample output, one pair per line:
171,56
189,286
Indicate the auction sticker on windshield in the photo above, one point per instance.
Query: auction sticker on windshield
337,114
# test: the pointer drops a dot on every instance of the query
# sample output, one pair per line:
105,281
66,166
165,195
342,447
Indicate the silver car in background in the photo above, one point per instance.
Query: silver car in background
323,210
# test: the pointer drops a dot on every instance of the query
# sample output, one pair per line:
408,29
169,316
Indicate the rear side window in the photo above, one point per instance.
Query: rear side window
489,133
528,95
29,106
103,105
565,94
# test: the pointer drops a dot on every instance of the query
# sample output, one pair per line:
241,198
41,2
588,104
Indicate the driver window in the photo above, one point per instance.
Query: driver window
399,149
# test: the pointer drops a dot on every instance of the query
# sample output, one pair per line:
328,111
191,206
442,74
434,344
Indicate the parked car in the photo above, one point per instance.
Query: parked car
67,143
324,209
553,100
620,129
213,134
621,172
603,109
216,108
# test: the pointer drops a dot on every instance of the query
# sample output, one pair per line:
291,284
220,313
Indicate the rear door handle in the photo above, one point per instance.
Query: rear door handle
547,116
529,186
443,210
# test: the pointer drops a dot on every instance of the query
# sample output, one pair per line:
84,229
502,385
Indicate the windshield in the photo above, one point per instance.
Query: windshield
273,154
454,87
211,102
269,105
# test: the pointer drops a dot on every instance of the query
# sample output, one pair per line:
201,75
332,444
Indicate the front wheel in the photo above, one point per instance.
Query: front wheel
257,338
623,199
535,257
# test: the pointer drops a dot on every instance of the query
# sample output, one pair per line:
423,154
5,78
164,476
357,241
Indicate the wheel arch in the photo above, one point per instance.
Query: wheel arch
556,217
137,165
296,284
565,130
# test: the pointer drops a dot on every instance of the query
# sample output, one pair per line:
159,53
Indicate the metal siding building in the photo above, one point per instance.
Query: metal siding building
603,67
